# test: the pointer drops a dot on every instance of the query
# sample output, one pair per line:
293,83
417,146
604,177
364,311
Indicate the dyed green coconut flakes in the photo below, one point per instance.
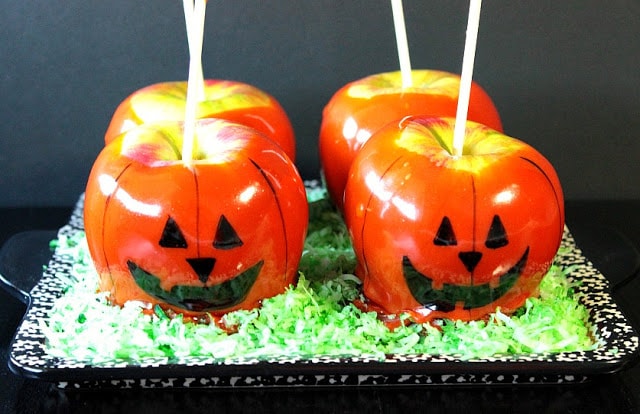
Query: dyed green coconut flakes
316,317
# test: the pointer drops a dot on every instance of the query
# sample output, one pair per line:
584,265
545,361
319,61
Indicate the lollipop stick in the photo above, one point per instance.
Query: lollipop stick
190,18
467,73
401,41
195,53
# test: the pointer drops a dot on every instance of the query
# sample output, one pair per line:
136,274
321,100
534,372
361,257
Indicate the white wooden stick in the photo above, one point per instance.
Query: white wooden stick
466,76
402,44
190,18
195,53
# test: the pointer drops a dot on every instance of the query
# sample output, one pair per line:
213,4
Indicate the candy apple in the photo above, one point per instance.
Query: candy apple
230,100
439,235
362,107
217,234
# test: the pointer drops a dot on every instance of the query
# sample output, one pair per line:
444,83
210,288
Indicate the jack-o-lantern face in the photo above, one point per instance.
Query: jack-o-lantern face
474,294
449,236
206,297
220,234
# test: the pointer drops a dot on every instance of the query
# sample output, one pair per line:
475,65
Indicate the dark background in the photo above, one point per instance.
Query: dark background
565,75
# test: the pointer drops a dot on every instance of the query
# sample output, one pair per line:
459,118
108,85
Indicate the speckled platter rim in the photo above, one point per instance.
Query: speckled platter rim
28,356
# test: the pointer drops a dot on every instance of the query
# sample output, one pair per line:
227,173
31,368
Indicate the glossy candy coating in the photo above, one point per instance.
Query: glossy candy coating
234,101
445,236
360,108
217,235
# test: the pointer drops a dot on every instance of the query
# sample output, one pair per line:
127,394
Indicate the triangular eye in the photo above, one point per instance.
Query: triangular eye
497,236
445,235
226,236
172,235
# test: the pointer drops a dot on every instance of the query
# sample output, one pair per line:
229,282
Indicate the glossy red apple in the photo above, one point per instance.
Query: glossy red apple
362,107
216,235
230,100
446,236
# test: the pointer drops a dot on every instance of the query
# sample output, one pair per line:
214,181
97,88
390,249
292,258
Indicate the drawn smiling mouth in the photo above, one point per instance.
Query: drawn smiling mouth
198,298
471,296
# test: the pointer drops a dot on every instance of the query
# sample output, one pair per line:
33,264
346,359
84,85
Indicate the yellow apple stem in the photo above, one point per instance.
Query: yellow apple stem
195,54
466,76
402,44
190,18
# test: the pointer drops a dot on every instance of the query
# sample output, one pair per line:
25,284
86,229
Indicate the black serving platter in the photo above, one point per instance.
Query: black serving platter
28,356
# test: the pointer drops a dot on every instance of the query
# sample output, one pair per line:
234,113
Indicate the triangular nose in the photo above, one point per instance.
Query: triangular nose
202,266
470,259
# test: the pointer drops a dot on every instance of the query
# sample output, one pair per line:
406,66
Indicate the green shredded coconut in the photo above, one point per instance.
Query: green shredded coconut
316,317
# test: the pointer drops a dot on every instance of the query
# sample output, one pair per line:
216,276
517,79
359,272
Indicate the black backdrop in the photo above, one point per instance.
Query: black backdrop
565,75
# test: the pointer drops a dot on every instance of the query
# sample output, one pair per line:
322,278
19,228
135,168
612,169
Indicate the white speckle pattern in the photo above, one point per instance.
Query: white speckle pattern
619,346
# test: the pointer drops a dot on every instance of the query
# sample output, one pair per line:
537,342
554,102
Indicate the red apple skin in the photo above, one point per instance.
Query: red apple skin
139,181
234,101
348,120
503,204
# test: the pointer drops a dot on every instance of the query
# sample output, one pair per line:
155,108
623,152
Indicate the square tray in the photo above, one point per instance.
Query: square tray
28,356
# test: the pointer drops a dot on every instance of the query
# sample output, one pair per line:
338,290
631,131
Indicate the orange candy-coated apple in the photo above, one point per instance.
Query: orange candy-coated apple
455,237
215,235
230,100
362,107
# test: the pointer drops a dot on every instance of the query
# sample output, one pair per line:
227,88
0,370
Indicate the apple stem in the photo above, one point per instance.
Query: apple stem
193,83
467,73
402,44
